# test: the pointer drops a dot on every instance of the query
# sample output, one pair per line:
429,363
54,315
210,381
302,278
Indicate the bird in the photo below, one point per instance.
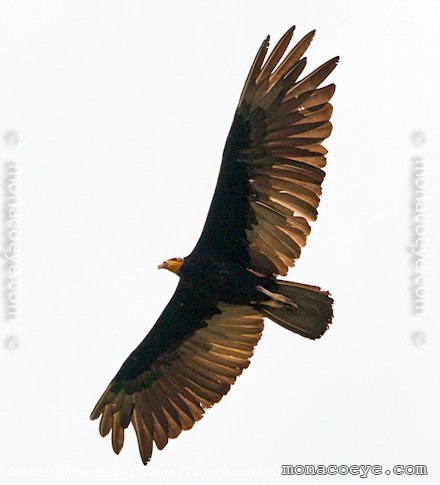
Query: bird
267,193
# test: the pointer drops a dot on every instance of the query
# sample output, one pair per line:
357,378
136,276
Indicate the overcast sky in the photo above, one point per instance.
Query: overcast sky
115,114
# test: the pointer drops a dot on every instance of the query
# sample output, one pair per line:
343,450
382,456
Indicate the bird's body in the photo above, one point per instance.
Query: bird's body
226,282
268,190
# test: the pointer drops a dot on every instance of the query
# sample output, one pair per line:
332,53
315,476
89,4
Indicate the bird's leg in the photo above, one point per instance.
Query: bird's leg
276,296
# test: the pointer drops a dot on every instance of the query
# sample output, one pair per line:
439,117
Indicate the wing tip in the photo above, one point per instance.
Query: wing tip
289,32
95,413
145,460
333,62
310,36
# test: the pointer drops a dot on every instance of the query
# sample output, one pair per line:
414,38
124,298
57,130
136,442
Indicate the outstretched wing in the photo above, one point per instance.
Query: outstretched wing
270,178
187,362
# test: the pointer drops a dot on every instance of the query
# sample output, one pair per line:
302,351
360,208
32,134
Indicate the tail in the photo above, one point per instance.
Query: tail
303,309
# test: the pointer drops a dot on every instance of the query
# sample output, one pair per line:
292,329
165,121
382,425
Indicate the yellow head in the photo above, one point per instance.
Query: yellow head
172,265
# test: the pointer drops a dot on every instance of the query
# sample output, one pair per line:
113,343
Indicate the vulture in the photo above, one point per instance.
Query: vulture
267,192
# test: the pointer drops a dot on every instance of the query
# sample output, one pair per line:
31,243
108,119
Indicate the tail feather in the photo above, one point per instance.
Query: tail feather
312,314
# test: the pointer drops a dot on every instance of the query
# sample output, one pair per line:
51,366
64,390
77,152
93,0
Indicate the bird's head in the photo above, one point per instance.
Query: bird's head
172,265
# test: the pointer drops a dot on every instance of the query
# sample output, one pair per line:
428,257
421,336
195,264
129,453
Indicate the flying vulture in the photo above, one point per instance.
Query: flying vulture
267,192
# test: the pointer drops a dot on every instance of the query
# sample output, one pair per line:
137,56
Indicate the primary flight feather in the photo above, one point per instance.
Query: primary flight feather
267,192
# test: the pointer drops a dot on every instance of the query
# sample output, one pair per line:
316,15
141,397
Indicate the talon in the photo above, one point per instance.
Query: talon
292,303
276,296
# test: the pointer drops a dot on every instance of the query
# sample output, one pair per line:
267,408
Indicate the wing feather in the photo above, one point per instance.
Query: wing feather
273,158
163,393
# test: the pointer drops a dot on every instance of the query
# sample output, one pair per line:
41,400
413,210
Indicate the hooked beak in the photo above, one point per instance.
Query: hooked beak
172,265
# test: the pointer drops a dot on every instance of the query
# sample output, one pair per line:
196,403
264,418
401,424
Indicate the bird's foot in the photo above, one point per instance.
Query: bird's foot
276,296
